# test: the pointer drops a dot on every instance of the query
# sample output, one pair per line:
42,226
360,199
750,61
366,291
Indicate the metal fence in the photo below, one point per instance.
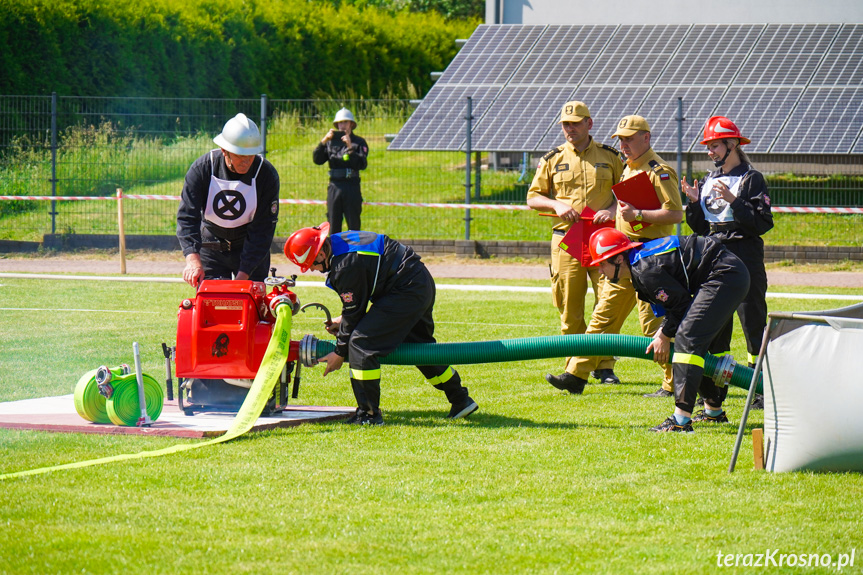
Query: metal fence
91,146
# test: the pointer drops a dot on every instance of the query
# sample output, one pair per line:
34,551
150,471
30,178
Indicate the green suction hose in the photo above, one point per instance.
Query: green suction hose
89,403
124,407
527,348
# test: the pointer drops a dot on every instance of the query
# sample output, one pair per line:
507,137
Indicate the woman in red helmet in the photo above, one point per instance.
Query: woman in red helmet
365,267
694,284
732,205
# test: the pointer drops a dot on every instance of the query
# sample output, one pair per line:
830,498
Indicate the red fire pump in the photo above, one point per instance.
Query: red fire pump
222,335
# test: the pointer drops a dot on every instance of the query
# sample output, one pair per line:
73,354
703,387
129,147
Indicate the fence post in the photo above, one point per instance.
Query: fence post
477,179
121,228
468,119
680,120
264,124
53,161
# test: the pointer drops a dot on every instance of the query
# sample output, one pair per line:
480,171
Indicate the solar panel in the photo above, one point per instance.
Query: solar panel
636,55
439,122
529,105
519,115
660,111
803,79
702,64
562,55
826,121
758,112
787,54
493,57
843,66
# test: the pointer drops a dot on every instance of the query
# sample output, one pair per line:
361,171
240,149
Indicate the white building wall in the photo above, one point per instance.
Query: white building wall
673,12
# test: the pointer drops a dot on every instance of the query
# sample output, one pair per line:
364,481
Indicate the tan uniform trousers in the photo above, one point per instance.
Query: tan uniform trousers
609,315
569,288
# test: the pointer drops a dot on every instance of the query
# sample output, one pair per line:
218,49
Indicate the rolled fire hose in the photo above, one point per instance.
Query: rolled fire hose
527,348
268,374
89,403
124,407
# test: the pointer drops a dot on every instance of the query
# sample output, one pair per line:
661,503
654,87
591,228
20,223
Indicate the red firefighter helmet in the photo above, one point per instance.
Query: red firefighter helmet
720,127
304,244
608,242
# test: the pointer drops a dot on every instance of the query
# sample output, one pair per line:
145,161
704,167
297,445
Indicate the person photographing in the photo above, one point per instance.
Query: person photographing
347,154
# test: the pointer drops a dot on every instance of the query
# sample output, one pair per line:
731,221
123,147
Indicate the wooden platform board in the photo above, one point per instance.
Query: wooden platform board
58,414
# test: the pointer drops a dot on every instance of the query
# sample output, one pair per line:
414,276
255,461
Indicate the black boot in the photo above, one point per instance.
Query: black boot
605,376
360,394
567,382
456,393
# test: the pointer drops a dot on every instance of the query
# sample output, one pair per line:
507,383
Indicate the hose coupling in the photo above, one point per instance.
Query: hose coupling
284,299
103,381
309,350
724,370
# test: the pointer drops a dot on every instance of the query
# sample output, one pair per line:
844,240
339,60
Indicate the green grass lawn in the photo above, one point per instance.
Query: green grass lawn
536,481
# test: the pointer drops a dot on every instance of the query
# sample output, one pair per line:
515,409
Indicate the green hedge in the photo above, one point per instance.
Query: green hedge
201,48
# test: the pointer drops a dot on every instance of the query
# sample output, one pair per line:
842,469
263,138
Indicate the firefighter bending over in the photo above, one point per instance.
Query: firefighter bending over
365,267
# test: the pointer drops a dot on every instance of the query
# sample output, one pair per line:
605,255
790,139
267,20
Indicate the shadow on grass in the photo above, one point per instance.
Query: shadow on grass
435,418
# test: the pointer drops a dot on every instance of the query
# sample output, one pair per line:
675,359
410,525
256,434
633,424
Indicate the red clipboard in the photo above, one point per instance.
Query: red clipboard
639,192
576,241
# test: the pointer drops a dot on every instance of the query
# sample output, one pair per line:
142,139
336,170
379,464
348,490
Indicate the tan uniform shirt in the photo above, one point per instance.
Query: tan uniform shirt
664,180
578,178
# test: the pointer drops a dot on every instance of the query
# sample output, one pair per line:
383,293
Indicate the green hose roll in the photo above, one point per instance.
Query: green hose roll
124,407
527,348
89,403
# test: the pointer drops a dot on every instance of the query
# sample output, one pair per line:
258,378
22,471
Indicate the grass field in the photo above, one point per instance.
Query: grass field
535,482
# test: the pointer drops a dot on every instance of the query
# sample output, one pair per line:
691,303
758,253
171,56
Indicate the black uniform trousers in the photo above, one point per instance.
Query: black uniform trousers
402,315
344,200
702,330
753,310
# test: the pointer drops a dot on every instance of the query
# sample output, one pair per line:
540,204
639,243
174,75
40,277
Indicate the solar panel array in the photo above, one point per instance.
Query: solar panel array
791,88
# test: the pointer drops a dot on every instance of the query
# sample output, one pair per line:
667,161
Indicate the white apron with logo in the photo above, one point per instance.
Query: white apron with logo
231,204
716,209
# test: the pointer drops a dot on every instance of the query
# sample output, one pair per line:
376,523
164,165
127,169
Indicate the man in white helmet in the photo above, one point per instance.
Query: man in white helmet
347,154
229,208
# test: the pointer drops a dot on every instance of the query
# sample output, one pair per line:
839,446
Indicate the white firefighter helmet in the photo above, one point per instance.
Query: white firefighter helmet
240,136
344,114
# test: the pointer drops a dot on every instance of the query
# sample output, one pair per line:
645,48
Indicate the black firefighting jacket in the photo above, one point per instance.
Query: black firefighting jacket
668,271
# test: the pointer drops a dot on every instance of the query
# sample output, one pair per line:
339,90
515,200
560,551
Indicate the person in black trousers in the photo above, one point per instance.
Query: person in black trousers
732,205
347,154
694,283
365,267
229,208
